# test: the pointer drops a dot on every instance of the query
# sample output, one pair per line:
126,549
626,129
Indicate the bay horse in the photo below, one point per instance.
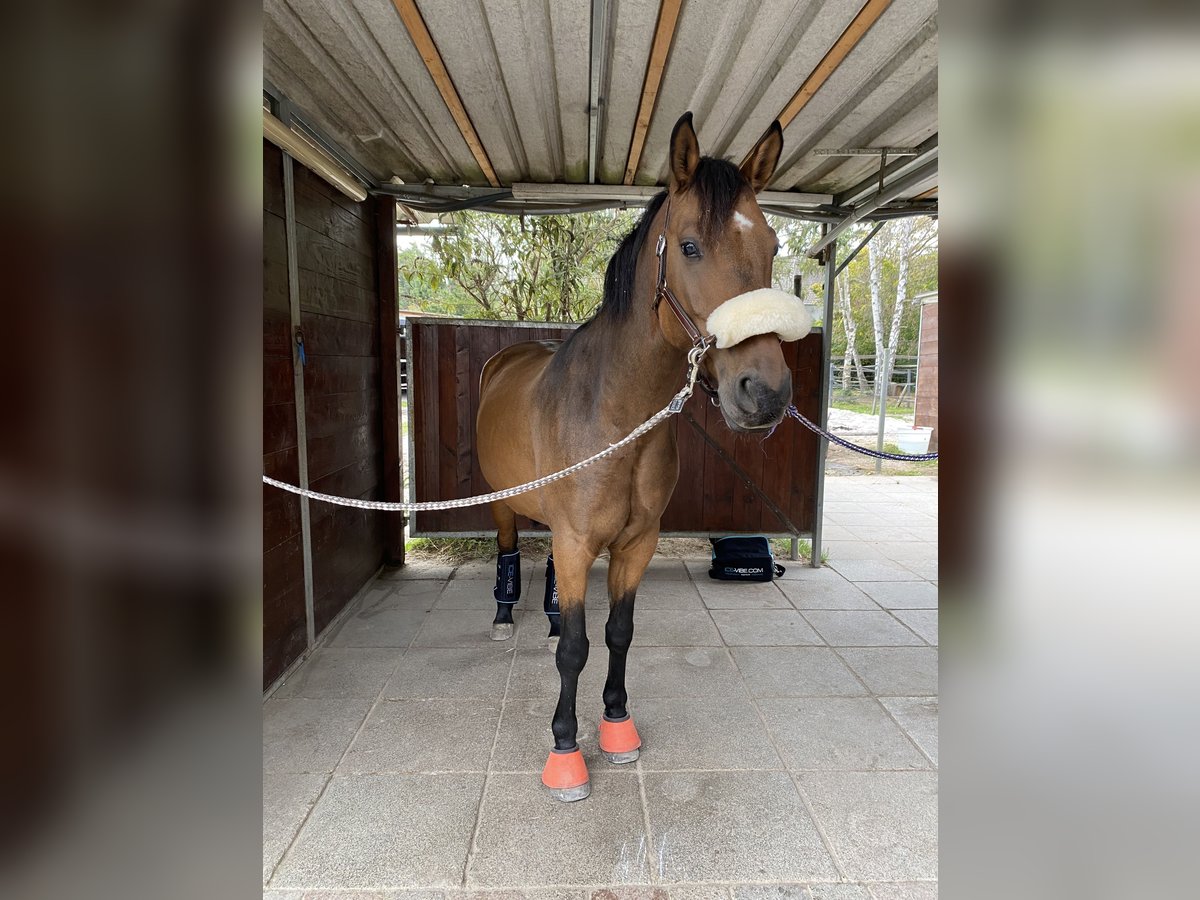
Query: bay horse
545,405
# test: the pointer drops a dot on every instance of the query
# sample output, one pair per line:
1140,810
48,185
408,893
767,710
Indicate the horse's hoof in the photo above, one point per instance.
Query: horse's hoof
502,631
621,759
570,795
566,775
619,740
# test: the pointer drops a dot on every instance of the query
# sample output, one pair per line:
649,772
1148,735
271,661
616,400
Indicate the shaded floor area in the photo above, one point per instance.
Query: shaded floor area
789,733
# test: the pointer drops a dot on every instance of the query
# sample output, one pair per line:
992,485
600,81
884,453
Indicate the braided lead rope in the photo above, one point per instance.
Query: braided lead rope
675,406
878,454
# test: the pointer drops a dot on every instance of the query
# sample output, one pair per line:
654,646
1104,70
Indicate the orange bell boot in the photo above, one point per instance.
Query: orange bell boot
566,775
619,740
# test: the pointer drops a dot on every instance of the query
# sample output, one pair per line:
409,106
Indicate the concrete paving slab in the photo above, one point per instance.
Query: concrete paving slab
872,570
456,628
385,831
392,621
905,890
882,825
341,672
525,739
732,826
907,551
796,672
699,672
688,734
674,628
425,736
309,736
826,593
741,595
895,671
923,621
526,837
770,892
860,628
926,568
418,569
838,733
918,716
894,530
475,594
839,892
535,676
902,594
455,672
286,801
764,627
670,593
852,548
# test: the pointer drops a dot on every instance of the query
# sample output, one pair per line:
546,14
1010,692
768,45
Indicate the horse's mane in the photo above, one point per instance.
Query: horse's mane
717,183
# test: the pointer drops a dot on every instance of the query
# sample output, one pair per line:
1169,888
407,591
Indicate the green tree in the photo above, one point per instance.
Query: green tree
542,268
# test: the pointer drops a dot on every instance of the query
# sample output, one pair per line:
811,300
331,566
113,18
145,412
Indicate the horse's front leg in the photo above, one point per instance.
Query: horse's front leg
565,772
618,737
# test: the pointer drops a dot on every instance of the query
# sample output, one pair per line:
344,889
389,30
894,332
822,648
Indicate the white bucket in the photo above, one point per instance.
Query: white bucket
913,440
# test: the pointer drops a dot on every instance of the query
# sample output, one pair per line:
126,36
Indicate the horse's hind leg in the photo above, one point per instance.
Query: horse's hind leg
565,773
508,570
618,737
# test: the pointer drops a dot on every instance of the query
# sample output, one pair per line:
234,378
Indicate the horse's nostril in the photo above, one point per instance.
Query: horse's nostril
746,386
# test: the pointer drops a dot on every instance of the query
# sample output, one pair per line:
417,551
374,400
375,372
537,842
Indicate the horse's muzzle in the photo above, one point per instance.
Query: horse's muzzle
750,404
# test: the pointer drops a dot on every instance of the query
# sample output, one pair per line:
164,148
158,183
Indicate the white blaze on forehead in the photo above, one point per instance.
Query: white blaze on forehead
742,222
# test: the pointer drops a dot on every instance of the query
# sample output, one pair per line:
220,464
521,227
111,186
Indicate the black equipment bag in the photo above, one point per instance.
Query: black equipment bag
741,558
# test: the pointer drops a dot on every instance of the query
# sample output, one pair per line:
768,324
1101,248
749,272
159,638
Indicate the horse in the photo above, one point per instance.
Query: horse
545,405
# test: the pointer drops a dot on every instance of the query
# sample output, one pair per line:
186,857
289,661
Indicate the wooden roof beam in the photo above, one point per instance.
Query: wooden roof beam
418,31
664,34
847,41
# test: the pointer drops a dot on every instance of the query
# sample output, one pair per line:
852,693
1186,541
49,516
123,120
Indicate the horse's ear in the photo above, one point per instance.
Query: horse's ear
759,167
685,152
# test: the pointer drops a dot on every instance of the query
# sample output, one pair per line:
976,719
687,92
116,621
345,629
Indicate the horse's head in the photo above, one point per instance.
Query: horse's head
718,252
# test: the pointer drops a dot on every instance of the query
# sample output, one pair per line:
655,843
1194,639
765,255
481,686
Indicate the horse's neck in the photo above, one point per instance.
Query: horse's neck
640,372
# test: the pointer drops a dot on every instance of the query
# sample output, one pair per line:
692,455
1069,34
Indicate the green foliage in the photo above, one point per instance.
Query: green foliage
922,251
540,268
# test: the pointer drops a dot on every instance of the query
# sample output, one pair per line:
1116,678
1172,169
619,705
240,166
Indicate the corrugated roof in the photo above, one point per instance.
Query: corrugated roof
365,78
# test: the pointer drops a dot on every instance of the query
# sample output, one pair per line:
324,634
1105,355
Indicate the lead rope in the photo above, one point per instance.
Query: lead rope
865,451
672,408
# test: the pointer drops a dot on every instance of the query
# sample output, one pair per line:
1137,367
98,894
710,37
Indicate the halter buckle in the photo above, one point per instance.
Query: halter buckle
661,245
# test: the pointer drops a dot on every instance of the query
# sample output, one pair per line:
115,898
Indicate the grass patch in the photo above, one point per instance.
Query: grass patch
782,548
456,550
459,550
867,408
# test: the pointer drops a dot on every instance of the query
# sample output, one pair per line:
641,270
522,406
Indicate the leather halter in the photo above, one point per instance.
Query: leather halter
662,292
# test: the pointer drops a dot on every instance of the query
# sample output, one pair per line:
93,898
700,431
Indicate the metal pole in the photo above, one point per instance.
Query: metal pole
881,378
853,253
289,206
823,406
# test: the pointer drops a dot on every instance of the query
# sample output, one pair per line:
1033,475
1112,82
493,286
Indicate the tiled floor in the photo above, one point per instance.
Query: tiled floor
789,734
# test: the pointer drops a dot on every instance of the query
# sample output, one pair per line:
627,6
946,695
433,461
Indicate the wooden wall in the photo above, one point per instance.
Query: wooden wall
926,413
340,322
728,482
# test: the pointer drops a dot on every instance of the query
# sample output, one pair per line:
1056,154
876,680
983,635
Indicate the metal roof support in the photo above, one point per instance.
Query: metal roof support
601,20
890,192
826,388
925,150
857,250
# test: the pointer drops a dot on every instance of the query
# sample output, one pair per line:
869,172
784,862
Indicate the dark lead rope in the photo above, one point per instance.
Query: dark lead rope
842,442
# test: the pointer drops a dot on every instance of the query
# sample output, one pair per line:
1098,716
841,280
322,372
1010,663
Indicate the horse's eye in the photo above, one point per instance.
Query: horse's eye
690,249
776,253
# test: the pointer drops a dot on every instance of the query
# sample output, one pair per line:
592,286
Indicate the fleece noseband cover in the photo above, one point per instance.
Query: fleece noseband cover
764,311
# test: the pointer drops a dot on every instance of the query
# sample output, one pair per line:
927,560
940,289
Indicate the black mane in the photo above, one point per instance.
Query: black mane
718,184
